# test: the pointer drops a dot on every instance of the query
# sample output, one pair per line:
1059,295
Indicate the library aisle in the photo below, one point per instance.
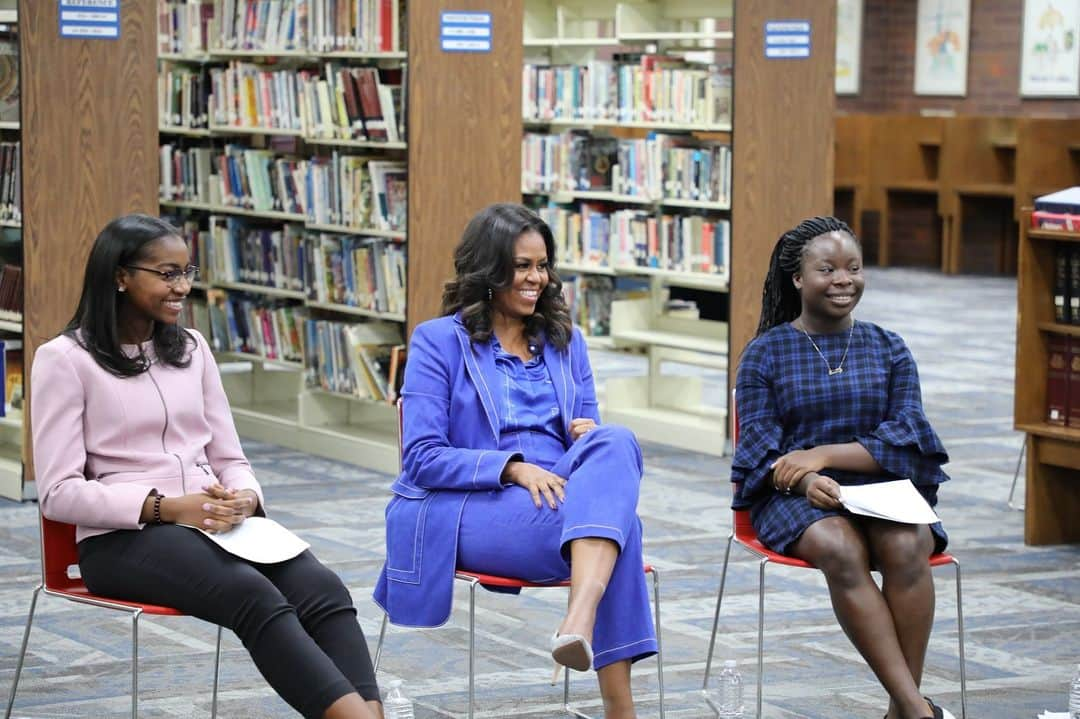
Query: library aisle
1022,604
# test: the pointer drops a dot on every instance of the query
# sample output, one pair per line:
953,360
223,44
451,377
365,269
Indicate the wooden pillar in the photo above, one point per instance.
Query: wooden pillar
783,146
89,153
464,134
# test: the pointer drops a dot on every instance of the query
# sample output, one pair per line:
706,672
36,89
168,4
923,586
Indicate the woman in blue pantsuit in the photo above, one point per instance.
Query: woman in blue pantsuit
506,469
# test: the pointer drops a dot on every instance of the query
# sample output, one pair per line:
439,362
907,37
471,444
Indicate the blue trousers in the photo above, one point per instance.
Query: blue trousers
502,532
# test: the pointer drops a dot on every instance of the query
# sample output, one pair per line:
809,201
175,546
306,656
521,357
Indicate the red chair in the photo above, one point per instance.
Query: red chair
59,578
745,536
475,579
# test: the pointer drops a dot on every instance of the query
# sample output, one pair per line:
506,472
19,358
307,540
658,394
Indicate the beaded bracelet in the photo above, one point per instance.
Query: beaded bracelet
157,508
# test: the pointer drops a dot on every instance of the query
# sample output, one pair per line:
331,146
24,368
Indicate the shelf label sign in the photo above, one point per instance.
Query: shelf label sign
787,39
90,19
461,31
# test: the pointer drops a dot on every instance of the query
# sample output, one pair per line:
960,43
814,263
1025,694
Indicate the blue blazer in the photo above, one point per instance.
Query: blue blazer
451,448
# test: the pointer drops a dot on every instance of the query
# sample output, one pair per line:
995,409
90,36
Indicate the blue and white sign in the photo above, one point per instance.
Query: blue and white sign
787,39
90,19
461,31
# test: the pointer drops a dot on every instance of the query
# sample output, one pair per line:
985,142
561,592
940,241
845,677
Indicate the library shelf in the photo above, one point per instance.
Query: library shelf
350,230
228,210
260,290
252,130
1053,235
230,356
11,326
675,340
632,124
184,131
356,311
1057,328
342,142
1050,431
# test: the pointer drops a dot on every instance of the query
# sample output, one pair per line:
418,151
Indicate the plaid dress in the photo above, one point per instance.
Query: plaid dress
787,401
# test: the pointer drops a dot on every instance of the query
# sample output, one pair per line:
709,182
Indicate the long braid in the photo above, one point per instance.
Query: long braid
780,301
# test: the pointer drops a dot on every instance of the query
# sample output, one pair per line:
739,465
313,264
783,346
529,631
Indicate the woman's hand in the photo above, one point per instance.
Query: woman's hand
217,491
821,491
205,511
579,427
789,470
537,480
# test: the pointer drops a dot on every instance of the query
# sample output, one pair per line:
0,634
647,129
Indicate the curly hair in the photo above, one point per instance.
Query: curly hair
484,263
780,301
96,324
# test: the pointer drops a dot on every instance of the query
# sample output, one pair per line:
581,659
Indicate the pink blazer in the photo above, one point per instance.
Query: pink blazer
102,442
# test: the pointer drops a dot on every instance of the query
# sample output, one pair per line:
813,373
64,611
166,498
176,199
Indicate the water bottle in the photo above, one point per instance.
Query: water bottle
396,705
1074,695
730,694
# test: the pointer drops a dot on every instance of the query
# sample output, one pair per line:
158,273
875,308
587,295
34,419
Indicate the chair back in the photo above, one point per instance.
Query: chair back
58,553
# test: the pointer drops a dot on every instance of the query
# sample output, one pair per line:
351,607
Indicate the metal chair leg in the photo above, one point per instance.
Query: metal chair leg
382,636
761,635
217,667
1016,477
472,644
716,616
135,663
22,651
659,643
960,632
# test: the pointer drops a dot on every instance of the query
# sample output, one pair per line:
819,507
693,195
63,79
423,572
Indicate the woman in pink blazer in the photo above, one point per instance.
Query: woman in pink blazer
133,437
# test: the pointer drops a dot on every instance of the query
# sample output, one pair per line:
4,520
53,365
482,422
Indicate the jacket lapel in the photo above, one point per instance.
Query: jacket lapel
480,366
558,364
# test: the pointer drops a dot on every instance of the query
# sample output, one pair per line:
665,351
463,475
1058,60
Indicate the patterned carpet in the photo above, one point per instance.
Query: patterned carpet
1021,604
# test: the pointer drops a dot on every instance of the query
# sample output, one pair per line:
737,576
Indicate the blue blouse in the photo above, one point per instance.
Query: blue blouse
787,400
531,423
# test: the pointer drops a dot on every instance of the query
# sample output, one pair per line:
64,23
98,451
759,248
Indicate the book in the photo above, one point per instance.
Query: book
1073,286
1063,201
1057,380
1073,383
1046,220
1062,269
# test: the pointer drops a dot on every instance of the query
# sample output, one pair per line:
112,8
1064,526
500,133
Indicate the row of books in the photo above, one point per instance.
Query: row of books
589,299
11,292
183,96
198,26
630,88
351,103
362,359
655,168
11,374
591,235
356,192
10,182
231,250
363,272
255,325
1067,284
1063,381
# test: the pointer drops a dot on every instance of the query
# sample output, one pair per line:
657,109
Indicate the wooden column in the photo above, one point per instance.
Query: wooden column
783,146
464,133
89,153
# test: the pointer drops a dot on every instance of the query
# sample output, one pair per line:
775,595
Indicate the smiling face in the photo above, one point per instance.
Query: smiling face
830,280
148,298
530,278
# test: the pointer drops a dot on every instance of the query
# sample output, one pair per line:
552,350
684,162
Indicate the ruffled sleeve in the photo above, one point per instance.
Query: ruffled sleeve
760,428
904,444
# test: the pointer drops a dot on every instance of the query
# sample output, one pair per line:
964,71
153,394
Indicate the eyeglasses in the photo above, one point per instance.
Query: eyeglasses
171,277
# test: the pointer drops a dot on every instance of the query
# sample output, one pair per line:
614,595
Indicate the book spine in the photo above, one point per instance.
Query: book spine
1057,380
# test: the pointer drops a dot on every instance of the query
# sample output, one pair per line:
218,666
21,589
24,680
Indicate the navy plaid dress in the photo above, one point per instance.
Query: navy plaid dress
787,401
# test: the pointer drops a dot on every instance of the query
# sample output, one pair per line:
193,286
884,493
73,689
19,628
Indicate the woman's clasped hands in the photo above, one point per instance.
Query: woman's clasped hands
798,471
215,509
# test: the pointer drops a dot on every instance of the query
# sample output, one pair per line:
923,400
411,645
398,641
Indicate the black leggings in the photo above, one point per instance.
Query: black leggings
296,618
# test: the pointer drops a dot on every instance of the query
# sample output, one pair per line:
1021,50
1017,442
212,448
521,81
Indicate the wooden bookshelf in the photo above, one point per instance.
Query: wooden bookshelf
1053,451
11,325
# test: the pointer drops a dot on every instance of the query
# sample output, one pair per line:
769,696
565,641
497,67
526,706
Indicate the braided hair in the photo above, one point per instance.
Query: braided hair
780,301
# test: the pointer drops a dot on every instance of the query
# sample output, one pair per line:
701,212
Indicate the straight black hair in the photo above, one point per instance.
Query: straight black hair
484,263
95,325
780,301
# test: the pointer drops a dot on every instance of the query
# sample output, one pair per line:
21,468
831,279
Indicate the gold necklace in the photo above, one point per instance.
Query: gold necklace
840,367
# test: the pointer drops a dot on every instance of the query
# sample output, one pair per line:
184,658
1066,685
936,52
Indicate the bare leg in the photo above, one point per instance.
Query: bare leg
353,706
839,549
900,551
592,560
614,682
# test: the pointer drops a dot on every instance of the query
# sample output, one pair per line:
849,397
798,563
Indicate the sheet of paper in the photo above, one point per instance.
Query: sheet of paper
898,501
260,540
1054,715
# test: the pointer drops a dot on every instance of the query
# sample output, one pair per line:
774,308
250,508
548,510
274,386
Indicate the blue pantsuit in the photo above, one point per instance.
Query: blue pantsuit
469,408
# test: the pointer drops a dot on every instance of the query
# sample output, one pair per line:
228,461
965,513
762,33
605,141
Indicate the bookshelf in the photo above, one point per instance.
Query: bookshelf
650,229
430,135
11,260
1053,451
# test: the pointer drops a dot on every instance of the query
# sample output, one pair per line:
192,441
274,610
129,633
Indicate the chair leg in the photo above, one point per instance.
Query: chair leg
1016,477
960,632
217,667
472,644
659,642
22,651
382,636
716,616
761,635
135,663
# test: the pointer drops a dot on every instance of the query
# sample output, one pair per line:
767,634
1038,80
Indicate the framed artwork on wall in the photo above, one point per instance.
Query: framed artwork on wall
848,45
1050,50
941,47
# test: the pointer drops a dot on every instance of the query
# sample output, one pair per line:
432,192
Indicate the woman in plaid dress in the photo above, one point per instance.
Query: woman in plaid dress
823,401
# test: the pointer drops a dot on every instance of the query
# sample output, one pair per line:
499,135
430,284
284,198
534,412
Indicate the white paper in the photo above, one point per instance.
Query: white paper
898,501
258,539
1054,715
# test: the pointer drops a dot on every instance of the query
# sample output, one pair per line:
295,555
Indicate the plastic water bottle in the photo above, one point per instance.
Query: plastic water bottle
396,705
1074,695
730,693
